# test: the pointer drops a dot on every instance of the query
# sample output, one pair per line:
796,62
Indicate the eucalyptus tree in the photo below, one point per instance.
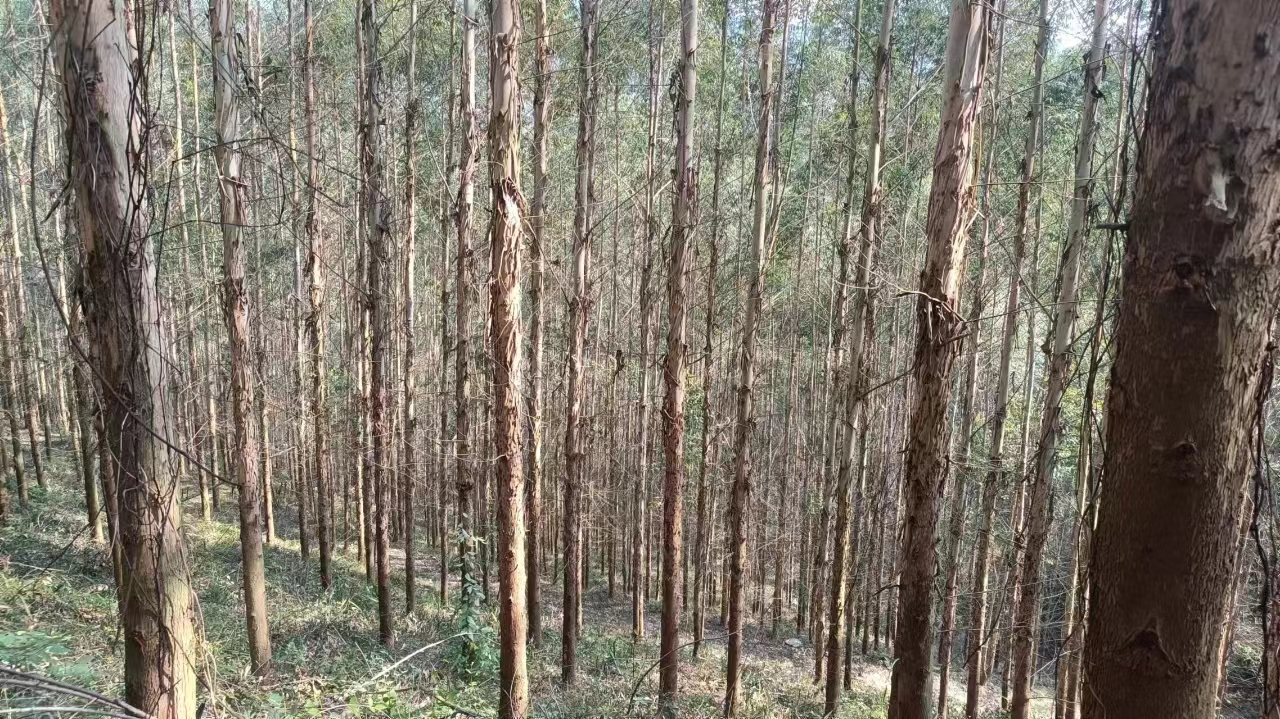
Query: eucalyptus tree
99,56
739,504
579,310
682,225
1200,287
234,206
868,241
938,326
506,229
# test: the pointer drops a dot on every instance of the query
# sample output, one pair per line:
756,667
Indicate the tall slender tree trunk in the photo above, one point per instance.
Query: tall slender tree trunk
446,222
360,293
207,383
265,458
211,367
843,380
815,450
960,477
579,310
684,96
12,399
978,636
741,493
1018,505
505,230
939,327
780,554
1066,699
640,500
705,519
1067,702
316,320
98,52
1200,286
10,334
261,416
381,306
537,283
27,380
872,204
297,464
791,448
485,437
179,160
462,218
234,202
409,286
85,408
837,331
1027,612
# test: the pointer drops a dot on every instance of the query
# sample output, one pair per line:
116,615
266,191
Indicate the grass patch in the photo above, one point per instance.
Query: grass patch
58,617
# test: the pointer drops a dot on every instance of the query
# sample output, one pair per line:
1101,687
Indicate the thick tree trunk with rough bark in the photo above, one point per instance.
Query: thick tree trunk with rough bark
1200,287
969,402
505,231
97,50
939,328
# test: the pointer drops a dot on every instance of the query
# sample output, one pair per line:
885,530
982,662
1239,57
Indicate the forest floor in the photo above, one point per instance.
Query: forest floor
58,617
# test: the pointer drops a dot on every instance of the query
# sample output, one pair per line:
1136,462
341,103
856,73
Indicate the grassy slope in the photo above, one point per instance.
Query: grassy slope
58,617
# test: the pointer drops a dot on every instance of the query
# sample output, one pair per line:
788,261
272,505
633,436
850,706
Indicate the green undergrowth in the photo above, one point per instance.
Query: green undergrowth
58,618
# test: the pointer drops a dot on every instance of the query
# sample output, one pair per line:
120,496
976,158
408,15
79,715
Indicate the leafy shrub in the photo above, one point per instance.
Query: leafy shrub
476,652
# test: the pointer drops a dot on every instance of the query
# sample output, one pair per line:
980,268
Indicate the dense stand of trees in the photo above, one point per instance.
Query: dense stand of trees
999,410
